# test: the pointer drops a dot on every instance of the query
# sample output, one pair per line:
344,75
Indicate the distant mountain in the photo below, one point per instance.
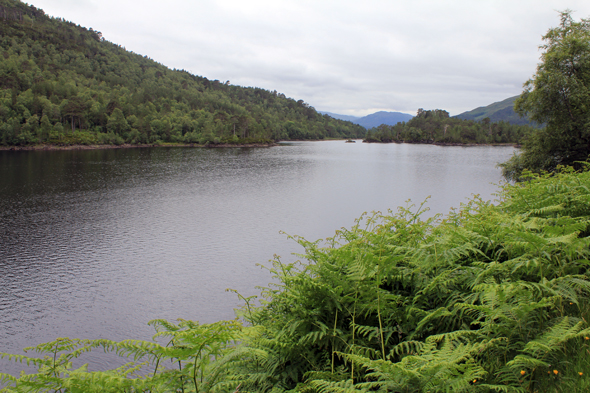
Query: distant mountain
498,111
336,116
378,118
375,119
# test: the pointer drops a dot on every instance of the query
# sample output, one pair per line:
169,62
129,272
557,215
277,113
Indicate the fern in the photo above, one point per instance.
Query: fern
490,298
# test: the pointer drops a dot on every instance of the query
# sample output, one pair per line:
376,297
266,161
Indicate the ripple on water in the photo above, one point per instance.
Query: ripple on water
94,244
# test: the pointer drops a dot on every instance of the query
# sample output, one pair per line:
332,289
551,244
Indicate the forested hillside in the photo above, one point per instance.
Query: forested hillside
435,126
498,111
64,84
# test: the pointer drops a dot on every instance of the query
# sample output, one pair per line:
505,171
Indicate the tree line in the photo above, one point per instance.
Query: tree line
62,83
436,126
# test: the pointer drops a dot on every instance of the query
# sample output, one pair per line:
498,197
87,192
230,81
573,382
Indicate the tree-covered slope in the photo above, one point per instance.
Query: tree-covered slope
498,111
63,83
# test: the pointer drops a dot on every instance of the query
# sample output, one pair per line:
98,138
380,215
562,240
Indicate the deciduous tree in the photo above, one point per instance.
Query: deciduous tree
558,95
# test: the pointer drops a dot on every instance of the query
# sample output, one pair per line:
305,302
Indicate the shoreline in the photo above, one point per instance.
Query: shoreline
517,145
51,147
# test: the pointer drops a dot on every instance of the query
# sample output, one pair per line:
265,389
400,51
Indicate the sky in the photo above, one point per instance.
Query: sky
347,57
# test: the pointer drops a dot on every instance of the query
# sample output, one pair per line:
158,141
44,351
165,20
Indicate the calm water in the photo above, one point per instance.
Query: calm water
94,244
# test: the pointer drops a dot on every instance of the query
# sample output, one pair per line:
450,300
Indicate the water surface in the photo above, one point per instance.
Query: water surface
94,244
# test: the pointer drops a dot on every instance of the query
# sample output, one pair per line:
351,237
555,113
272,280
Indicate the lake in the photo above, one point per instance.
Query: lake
95,243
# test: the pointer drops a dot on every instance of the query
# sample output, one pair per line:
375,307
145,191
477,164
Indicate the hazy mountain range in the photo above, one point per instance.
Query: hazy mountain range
374,119
498,111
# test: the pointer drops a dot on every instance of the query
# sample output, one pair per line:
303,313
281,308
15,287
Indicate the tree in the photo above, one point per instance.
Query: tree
117,123
75,108
558,95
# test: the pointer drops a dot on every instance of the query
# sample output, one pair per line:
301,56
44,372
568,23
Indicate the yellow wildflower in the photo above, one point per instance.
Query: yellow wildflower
522,372
581,373
555,372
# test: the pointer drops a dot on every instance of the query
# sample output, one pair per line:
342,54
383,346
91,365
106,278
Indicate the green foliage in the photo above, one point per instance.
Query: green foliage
191,361
491,298
58,80
436,126
559,96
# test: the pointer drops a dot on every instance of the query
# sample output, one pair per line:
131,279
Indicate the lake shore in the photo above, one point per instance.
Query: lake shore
448,144
51,147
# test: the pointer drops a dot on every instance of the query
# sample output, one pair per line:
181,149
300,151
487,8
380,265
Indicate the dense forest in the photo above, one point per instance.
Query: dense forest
435,126
62,83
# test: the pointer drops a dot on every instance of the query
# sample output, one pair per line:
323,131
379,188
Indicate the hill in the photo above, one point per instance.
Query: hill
374,119
61,83
498,111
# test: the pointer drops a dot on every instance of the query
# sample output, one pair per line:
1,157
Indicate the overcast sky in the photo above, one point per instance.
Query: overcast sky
349,57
